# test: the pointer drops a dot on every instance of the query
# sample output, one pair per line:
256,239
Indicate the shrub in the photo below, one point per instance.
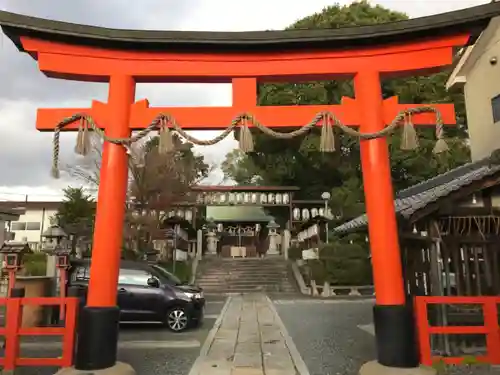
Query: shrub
343,263
294,252
182,269
35,264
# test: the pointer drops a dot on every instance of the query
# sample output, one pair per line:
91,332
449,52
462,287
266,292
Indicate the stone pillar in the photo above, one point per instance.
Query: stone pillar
285,242
199,244
212,243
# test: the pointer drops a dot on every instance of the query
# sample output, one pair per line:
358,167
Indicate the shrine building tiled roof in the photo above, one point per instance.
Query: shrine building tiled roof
417,197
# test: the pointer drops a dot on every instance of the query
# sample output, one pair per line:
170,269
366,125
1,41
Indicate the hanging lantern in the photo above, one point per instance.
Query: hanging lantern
270,198
286,198
305,214
474,200
232,198
279,199
246,197
296,213
263,198
321,212
254,198
188,215
314,212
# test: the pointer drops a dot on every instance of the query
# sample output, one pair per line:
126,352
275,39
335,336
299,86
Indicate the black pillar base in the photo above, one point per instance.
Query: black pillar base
98,329
395,335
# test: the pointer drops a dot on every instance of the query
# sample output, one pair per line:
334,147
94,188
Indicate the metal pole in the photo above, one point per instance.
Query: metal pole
175,249
326,215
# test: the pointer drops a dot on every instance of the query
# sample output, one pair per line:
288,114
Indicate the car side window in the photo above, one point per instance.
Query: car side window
81,273
133,277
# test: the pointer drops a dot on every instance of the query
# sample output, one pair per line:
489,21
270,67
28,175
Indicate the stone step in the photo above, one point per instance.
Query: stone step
242,282
220,276
246,269
232,275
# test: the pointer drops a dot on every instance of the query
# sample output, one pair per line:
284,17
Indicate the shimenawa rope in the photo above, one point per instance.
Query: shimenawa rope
164,122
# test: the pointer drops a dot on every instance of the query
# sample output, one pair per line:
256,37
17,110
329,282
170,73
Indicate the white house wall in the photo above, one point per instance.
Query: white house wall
483,84
40,216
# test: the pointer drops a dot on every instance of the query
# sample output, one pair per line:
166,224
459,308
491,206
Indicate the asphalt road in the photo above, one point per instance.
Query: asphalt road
327,335
149,348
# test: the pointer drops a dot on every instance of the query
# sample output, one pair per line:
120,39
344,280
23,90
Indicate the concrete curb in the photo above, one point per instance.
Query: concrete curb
132,344
294,353
195,369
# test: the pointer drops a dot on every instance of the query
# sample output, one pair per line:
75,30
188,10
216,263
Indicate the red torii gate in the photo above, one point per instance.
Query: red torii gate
124,57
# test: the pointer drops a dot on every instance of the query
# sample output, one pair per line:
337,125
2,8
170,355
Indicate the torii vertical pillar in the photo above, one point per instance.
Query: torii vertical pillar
98,338
392,316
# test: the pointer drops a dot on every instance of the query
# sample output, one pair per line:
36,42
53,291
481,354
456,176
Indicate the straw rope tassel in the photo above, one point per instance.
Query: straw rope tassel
166,142
327,140
246,137
441,145
82,146
409,138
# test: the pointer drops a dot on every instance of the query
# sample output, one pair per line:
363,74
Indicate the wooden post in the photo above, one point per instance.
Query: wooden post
98,328
393,319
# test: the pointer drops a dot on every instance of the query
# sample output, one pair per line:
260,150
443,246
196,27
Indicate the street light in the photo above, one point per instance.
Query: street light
326,197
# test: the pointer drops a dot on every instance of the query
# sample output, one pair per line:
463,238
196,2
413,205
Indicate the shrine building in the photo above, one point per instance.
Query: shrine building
243,221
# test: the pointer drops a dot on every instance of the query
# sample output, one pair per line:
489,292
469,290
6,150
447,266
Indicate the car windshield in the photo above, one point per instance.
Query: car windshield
165,274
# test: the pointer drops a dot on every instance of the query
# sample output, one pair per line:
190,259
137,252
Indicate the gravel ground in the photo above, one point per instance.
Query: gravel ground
326,334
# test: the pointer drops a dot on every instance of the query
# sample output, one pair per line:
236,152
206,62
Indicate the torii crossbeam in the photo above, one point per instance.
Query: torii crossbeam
123,57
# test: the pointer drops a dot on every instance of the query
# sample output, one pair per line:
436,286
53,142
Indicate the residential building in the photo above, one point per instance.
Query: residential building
33,218
477,72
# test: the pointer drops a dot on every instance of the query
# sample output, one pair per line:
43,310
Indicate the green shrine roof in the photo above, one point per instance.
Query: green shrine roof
238,214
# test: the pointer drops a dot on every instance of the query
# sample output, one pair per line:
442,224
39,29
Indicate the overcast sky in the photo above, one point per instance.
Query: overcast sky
25,154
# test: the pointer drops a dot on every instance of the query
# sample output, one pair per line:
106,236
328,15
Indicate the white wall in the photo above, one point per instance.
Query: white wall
483,83
38,219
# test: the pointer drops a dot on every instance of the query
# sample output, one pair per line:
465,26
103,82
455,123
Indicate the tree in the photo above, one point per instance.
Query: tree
76,215
76,206
156,183
240,169
297,162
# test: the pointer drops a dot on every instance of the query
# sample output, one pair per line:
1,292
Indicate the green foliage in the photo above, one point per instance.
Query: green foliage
469,362
297,162
77,208
35,264
294,252
182,269
346,263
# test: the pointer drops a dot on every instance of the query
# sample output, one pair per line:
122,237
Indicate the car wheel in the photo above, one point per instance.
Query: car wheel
177,319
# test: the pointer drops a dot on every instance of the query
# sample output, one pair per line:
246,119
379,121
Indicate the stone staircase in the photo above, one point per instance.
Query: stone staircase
225,275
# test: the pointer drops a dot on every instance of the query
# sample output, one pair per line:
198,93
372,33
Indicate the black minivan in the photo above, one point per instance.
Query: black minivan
149,293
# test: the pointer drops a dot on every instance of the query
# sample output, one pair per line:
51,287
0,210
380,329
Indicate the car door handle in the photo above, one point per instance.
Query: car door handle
122,290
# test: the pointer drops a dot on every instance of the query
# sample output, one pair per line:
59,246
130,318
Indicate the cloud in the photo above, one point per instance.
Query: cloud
25,154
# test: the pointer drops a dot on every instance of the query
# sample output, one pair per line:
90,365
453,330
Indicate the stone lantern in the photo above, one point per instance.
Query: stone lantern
52,237
55,245
211,237
273,234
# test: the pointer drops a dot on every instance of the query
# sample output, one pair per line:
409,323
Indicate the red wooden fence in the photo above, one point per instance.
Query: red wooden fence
12,331
490,328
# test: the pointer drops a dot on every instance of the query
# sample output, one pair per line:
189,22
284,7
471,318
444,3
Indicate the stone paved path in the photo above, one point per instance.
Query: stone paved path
249,339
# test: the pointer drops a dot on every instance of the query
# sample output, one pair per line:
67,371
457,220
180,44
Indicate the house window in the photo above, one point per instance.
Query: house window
32,226
18,225
495,106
